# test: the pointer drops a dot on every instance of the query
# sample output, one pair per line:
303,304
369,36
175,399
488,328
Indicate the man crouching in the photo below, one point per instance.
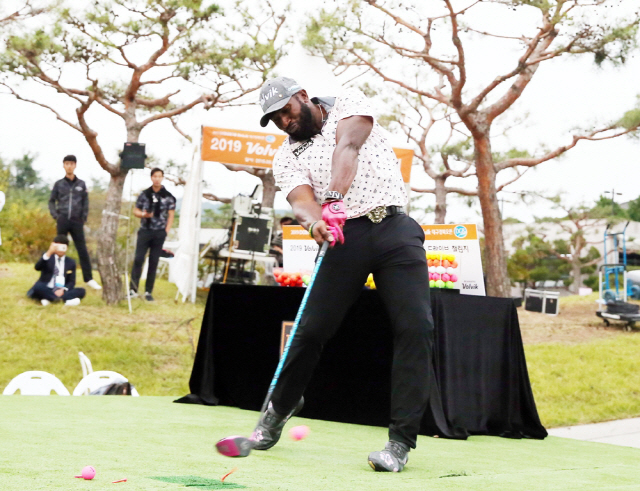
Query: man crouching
57,276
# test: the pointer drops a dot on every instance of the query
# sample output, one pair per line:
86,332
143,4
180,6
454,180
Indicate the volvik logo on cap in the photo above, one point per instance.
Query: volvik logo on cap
273,91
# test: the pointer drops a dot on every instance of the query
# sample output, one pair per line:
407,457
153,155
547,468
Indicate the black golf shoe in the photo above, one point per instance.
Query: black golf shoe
269,429
392,459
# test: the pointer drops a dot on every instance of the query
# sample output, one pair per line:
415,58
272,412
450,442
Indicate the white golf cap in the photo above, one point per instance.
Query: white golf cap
275,94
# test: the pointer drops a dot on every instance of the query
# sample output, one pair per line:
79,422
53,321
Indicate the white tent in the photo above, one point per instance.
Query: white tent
183,268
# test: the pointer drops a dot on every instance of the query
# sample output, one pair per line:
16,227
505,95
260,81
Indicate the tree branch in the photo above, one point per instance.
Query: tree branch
531,162
57,114
525,74
174,123
511,181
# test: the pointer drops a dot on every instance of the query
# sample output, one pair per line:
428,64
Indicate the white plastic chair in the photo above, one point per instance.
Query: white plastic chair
98,379
35,383
85,363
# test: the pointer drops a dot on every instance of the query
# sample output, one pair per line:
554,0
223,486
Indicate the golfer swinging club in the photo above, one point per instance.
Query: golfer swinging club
343,181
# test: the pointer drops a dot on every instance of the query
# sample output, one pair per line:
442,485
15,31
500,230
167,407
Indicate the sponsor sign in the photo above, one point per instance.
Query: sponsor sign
299,250
287,327
257,149
239,147
457,243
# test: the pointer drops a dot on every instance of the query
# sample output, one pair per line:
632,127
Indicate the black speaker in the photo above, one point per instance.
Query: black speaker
252,234
533,303
133,156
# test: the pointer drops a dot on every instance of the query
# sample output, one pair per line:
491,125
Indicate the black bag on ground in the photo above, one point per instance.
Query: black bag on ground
622,308
115,389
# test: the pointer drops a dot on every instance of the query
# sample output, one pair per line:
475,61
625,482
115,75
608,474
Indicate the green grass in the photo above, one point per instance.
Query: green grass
48,440
153,347
586,383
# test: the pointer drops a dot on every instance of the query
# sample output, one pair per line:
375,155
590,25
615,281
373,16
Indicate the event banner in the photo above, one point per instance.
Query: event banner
240,147
453,255
257,149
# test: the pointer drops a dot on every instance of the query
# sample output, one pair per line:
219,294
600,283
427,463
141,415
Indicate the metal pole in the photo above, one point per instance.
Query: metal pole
600,300
226,271
126,256
196,252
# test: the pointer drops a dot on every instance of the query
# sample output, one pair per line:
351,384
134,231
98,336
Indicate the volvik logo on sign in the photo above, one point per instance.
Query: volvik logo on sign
239,147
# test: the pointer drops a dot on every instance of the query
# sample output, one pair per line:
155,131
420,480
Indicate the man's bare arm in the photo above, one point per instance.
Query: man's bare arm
307,211
351,134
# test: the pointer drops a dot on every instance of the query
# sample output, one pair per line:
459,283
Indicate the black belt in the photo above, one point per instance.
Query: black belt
381,212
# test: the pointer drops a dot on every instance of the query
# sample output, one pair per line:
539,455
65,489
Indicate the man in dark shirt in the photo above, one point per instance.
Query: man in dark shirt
156,207
69,207
276,242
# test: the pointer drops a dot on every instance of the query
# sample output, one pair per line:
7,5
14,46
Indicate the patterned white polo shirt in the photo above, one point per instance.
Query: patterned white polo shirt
378,181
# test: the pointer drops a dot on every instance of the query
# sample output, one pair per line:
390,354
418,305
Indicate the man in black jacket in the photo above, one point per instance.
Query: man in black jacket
156,206
57,276
69,207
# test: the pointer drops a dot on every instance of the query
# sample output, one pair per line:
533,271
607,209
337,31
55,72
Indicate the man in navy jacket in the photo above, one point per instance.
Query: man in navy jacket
57,276
69,207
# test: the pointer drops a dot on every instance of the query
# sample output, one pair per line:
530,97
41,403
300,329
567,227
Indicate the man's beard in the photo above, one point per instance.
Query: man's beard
305,127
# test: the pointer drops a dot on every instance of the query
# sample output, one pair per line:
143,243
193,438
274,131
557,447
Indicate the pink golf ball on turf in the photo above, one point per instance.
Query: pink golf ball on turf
298,433
89,472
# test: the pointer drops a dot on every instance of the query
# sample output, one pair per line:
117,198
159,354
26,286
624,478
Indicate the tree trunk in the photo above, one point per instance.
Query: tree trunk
111,276
268,189
495,255
576,264
441,200
107,251
576,274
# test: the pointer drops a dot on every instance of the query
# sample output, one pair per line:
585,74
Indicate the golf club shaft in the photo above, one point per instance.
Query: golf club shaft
276,375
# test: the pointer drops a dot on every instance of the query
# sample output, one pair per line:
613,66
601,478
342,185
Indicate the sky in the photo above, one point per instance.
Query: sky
565,93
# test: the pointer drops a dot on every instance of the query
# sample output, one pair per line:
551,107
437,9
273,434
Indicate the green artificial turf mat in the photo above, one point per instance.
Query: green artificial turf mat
45,441
197,482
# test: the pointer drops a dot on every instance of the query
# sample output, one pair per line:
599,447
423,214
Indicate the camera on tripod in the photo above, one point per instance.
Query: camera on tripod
252,224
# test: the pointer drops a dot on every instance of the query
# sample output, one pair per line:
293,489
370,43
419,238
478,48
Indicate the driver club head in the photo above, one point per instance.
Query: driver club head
234,446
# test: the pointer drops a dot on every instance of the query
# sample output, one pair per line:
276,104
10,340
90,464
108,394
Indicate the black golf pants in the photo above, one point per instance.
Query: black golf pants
393,251
76,229
151,240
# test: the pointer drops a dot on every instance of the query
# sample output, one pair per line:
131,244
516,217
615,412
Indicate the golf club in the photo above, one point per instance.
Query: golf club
240,446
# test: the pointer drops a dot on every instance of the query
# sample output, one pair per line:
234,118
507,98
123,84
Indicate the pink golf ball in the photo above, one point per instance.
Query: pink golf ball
89,472
298,433
453,278
445,277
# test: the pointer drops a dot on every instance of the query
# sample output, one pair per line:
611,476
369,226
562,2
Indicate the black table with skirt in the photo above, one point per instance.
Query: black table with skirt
482,380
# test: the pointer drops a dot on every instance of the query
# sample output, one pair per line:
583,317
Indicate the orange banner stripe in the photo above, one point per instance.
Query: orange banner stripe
463,231
257,149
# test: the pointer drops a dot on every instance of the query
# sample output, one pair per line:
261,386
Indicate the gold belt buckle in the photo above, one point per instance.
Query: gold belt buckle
377,214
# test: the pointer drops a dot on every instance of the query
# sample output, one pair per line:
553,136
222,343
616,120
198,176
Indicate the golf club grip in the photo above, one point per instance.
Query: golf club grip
276,375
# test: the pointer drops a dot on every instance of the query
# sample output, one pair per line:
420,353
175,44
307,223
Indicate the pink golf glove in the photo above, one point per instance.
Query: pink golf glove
335,215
